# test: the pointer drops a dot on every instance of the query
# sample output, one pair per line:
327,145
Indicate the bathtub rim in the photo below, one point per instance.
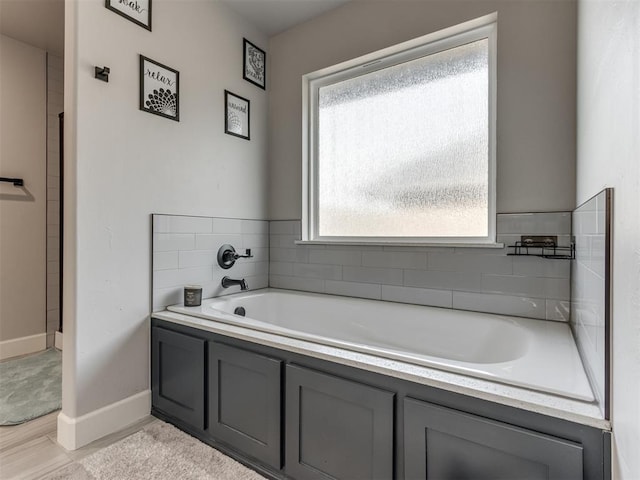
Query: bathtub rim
538,402
497,372
496,390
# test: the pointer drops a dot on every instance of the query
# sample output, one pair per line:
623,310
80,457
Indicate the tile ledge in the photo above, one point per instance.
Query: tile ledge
400,244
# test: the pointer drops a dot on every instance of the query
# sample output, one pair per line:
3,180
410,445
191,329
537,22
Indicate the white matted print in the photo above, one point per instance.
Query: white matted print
255,64
159,87
138,11
236,115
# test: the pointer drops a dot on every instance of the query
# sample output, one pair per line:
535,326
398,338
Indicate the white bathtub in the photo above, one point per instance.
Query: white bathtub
534,354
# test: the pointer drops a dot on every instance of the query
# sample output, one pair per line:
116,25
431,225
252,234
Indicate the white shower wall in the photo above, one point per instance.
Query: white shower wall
55,105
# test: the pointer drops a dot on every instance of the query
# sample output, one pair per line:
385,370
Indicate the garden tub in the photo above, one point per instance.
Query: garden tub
534,354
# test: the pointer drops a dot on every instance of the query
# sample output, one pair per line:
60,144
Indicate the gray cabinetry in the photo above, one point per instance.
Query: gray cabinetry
441,443
177,379
337,428
330,421
244,401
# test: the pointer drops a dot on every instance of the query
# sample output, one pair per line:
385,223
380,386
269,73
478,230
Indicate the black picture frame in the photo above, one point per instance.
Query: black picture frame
159,89
121,7
254,64
237,121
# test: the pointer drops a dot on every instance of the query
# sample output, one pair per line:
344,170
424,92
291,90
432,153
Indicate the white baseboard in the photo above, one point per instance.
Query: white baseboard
58,340
74,433
23,345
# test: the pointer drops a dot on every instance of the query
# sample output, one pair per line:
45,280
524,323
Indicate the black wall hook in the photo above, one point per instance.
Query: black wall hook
102,73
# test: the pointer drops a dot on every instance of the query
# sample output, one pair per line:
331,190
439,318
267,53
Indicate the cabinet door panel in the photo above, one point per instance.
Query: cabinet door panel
337,428
178,375
441,443
244,401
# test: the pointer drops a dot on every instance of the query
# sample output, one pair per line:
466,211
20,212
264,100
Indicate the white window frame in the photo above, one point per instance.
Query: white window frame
477,29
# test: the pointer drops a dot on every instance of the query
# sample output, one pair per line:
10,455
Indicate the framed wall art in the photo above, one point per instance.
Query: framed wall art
236,115
137,11
159,89
255,64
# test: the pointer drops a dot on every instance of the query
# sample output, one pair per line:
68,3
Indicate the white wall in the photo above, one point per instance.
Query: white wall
536,89
608,156
123,164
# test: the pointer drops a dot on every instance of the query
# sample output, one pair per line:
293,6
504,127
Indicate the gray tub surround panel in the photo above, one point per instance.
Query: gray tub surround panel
244,411
345,423
465,278
435,435
336,428
185,252
590,290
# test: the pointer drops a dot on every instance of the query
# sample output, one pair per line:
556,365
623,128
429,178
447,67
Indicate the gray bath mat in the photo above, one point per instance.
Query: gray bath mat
30,387
159,451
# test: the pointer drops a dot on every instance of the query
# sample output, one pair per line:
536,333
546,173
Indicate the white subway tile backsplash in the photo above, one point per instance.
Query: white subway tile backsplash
53,281
299,255
260,227
335,257
386,259
353,289
501,304
258,255
262,268
537,287
482,279
181,224
55,91
559,310
53,213
166,296
251,240
53,296
385,276
443,280
226,225
285,241
215,241
161,223
586,222
541,267
163,242
53,249
191,258
281,268
468,262
239,270
165,260
294,283
195,258
417,296
181,277
327,272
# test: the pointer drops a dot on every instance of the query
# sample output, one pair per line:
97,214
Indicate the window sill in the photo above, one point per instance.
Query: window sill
398,244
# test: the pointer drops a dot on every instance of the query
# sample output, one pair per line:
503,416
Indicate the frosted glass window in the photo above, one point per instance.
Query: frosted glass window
404,151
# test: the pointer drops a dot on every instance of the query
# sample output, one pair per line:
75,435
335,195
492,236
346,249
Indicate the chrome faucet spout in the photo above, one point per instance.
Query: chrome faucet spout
229,282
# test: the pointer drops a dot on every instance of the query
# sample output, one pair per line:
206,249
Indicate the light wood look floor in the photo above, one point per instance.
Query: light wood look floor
30,451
